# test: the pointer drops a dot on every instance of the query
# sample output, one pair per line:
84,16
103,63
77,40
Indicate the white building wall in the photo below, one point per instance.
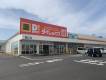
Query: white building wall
19,37
69,40
8,44
46,38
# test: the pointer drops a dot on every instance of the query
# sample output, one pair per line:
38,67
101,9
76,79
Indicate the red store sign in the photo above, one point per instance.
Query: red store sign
39,28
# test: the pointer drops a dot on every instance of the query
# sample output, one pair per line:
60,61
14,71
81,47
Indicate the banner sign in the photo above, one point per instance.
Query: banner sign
39,28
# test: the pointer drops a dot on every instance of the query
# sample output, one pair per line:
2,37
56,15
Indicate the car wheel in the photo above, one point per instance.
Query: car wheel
94,55
100,55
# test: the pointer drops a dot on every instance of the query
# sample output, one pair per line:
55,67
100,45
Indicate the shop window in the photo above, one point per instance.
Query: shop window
28,48
14,47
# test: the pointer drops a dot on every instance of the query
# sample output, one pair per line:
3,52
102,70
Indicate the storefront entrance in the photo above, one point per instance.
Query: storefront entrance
42,48
59,48
28,47
45,49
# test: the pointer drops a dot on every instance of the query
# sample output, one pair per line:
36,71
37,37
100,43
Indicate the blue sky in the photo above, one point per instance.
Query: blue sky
79,16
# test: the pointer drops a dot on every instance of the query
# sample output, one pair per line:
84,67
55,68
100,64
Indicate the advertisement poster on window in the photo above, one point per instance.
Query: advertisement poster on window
39,28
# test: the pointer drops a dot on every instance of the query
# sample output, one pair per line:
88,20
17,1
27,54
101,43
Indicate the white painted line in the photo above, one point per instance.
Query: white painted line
36,63
23,65
37,59
54,60
76,61
30,64
26,58
82,61
86,62
100,64
91,61
103,62
77,55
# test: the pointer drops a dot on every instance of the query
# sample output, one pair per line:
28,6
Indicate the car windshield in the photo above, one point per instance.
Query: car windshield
81,48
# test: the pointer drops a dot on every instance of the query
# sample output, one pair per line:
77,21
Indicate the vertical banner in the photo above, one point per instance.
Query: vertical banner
39,28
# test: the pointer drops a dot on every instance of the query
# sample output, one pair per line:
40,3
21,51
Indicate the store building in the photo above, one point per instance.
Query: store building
46,39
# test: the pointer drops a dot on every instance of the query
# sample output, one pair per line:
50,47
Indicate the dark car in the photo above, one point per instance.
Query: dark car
94,52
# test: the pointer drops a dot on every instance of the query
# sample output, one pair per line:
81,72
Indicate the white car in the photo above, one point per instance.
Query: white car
81,50
104,51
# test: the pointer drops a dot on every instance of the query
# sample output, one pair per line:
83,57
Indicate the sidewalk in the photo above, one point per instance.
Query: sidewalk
4,54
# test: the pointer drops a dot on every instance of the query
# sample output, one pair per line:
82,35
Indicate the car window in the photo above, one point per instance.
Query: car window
81,48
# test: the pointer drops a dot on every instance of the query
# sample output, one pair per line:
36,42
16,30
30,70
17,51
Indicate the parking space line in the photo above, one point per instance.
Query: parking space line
26,58
30,64
54,60
36,63
91,61
38,59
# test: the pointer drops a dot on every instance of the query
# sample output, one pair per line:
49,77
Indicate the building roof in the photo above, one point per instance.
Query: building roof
90,38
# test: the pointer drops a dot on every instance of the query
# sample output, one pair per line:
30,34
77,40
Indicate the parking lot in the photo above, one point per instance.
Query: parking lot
64,67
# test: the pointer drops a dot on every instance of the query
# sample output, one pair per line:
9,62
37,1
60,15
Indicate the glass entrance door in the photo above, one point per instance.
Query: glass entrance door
46,49
28,48
59,48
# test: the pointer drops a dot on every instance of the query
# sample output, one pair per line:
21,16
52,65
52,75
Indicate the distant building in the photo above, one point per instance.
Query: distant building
1,44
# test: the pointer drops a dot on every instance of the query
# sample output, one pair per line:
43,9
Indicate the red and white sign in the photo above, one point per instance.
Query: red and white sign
40,28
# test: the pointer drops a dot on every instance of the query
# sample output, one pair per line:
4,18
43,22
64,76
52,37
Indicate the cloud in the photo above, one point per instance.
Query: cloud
43,8
87,20
9,18
79,16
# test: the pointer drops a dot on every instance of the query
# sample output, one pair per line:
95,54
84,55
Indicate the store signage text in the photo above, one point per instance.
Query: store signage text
38,28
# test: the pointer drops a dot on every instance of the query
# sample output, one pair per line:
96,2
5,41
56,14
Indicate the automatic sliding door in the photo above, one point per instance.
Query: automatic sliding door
51,49
31,49
59,48
34,49
28,48
23,49
46,49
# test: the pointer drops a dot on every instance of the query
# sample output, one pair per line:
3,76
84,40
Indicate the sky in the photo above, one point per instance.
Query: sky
79,16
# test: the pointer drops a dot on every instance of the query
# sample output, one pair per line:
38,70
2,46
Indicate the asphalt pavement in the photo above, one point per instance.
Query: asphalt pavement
66,67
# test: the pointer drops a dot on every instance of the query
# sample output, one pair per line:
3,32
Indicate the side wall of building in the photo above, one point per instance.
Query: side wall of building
15,41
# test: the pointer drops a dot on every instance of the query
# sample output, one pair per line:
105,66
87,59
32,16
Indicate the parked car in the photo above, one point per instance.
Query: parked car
81,50
94,52
104,51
